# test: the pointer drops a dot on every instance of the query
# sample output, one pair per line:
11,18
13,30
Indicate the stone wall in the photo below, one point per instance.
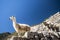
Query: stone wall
38,36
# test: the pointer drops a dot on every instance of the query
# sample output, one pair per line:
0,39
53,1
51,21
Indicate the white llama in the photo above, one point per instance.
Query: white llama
21,29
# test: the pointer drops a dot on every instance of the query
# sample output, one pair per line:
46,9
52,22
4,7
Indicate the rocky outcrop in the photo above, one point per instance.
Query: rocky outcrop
4,35
47,30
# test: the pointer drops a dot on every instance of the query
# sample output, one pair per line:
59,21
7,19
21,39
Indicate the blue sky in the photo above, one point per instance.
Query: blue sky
26,11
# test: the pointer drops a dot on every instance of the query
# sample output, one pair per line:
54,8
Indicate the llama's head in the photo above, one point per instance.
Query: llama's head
12,18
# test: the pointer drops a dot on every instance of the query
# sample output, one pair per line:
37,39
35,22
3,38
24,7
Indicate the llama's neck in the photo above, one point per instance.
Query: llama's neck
14,23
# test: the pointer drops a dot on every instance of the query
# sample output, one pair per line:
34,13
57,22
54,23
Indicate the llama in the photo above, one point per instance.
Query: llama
21,29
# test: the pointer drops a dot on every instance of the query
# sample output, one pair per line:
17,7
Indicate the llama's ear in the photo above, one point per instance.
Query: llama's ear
14,17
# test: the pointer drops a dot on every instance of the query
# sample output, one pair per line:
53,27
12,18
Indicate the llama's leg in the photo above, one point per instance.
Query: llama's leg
19,35
25,35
